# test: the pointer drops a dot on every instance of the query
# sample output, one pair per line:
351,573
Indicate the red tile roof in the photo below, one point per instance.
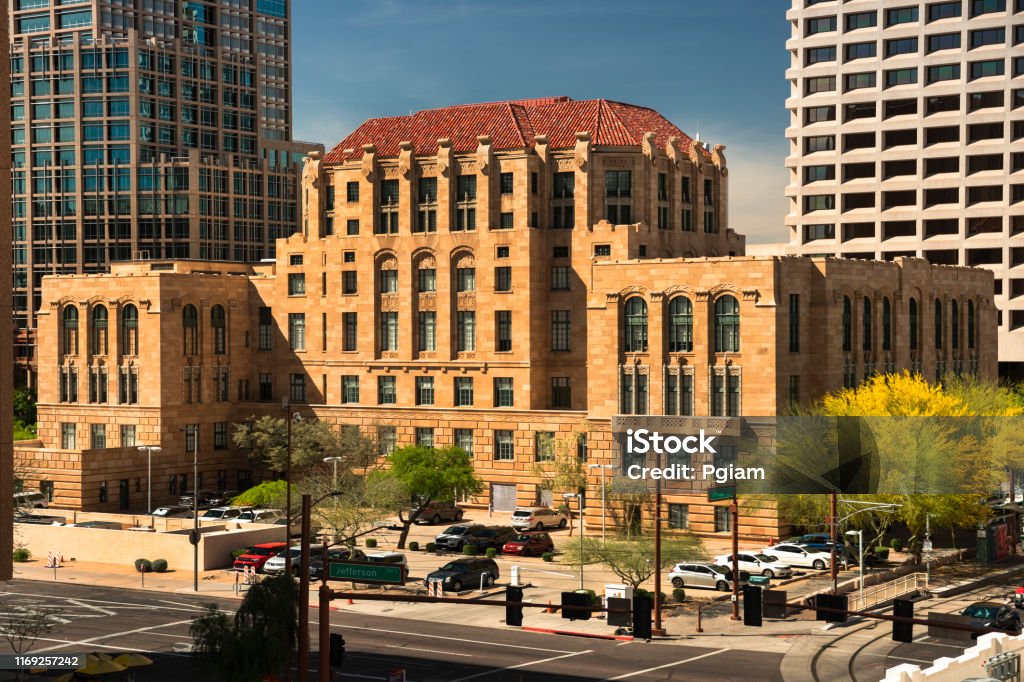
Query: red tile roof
511,125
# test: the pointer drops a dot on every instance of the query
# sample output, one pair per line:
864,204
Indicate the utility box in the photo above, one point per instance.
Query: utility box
618,592
514,580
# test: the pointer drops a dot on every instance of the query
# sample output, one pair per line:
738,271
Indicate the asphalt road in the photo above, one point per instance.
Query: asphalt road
114,621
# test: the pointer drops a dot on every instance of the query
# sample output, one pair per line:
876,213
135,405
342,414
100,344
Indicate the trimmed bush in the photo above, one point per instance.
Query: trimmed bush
160,566
547,556
371,542
882,553
143,565
235,553
470,550
431,547
414,546
491,552
896,544
21,554
679,595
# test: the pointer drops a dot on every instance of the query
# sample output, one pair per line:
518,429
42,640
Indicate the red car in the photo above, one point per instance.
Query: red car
531,544
258,555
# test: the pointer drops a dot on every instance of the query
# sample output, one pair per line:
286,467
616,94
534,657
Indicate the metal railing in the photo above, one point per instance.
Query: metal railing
887,591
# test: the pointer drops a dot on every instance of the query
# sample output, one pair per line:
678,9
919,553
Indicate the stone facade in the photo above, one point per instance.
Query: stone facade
498,337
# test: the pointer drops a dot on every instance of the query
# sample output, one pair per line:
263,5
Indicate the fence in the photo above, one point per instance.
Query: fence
887,591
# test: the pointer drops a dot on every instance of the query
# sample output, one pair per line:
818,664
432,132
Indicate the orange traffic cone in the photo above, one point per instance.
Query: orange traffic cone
549,609
350,600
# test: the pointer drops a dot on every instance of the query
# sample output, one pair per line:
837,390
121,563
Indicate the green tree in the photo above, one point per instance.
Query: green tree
564,471
269,494
420,475
24,400
260,638
632,560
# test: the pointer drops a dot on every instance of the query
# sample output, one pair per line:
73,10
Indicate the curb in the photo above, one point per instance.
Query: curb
570,633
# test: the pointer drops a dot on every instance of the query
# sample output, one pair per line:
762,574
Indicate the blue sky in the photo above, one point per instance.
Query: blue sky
714,67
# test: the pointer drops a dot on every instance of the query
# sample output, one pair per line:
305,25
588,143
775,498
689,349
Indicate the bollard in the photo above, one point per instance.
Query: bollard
700,613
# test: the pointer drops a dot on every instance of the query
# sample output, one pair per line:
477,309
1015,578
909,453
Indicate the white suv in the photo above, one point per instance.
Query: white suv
223,513
538,518
289,559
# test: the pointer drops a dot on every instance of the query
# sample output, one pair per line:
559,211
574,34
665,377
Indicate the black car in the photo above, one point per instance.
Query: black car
466,572
992,614
316,562
454,537
489,536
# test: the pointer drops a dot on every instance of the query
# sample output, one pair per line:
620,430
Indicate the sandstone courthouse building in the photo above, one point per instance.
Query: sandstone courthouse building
493,276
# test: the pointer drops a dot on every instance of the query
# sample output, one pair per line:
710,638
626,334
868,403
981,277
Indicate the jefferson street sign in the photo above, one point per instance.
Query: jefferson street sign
366,572
724,492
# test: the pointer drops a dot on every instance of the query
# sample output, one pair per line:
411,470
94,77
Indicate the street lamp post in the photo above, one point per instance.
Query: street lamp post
604,499
334,461
860,560
193,430
149,449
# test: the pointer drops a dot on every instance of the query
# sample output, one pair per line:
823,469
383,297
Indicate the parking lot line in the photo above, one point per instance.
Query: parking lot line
450,639
667,665
429,651
521,665
114,635
65,643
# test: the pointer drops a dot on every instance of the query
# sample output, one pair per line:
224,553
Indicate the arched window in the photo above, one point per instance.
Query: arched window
217,323
680,338
190,328
913,324
99,330
847,325
866,325
886,325
636,325
954,325
130,330
727,325
938,324
970,325
69,334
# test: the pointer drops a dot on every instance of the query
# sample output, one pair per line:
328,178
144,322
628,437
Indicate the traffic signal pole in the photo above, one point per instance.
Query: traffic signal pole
734,509
325,620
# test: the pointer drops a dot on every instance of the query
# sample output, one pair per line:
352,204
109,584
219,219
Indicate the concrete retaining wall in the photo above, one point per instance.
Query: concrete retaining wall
123,547
969,664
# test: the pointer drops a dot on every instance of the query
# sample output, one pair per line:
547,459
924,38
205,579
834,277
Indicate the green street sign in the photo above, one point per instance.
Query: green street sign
724,492
366,572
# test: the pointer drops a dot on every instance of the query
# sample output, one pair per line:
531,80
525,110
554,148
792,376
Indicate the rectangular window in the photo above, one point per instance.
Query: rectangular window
220,436
989,36
387,437
819,114
99,436
505,221
266,385
463,391
426,339
296,284
504,446
861,20
464,440
350,281
389,281
857,81
820,25
992,67
424,390
67,436
387,393
794,389
506,183
465,279
944,10
820,84
504,394
465,335
265,329
679,516
297,388
349,331
388,332
900,15
943,41
900,46
352,227
819,55
559,278
544,446
979,7
794,323
561,393
352,192
425,437
943,72
350,389
897,77
503,331
297,331
560,330
618,193
503,278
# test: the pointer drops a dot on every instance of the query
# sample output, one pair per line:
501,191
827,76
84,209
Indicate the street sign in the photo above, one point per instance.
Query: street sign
927,545
396,675
722,492
366,572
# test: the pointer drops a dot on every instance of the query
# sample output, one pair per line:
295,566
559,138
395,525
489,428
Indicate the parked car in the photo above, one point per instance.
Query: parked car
223,513
795,555
173,511
538,518
992,614
316,562
489,536
437,511
465,572
288,560
106,525
701,575
34,500
452,537
257,556
207,499
757,564
529,544
817,539
260,516
387,558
